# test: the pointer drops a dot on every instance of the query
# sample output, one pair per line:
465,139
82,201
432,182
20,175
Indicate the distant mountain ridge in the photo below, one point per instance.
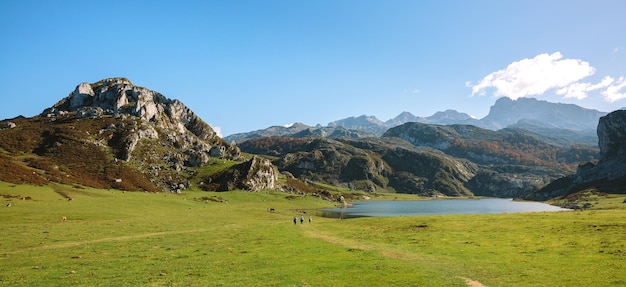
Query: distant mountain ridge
503,113
571,124
506,112
367,123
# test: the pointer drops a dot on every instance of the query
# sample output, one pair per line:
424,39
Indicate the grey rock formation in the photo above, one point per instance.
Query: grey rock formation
260,174
612,136
8,125
119,97
168,132
254,175
612,142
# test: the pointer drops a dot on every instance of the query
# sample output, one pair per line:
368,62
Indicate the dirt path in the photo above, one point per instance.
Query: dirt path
108,239
471,283
386,253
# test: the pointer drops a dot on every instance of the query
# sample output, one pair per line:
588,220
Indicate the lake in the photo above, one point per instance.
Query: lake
436,207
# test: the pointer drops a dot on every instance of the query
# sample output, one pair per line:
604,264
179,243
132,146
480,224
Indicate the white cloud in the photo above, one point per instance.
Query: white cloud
580,90
529,77
217,130
616,91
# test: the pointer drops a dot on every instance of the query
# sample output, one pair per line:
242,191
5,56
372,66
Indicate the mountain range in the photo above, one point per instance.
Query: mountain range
113,134
566,123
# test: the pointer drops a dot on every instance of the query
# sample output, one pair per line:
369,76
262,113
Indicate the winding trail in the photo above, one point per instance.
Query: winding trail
108,239
351,244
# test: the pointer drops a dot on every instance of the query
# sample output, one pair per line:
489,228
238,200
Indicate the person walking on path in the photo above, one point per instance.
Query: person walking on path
310,218
295,220
301,219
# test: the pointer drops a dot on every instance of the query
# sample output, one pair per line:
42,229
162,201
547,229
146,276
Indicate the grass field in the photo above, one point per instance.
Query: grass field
198,238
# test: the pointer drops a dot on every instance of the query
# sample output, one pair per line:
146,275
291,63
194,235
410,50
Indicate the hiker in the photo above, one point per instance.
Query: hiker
301,219
295,220
310,218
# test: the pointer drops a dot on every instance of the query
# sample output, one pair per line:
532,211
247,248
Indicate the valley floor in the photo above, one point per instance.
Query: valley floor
111,238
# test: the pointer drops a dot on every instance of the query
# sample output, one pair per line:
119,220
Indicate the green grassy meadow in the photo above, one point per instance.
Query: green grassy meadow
112,238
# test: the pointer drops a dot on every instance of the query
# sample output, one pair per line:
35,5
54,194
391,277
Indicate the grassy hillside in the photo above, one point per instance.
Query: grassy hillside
67,151
115,238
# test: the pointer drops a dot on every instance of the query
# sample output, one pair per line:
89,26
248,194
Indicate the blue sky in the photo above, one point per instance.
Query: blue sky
248,65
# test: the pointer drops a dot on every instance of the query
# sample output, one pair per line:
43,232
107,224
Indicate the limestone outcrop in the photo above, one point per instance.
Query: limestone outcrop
612,142
254,175
159,135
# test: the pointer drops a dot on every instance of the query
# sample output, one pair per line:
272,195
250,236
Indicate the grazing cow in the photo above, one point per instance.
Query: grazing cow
271,209
64,218
69,199
9,204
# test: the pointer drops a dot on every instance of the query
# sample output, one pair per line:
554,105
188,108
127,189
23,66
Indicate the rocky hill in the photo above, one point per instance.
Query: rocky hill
507,146
428,160
513,161
112,134
608,174
368,164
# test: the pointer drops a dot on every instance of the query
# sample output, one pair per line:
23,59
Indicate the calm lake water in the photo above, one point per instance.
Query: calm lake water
434,207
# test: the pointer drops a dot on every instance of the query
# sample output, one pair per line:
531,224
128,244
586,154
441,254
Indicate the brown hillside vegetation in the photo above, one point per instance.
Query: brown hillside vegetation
68,151
509,146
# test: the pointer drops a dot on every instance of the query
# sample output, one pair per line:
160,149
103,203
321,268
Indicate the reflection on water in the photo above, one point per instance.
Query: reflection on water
341,213
434,207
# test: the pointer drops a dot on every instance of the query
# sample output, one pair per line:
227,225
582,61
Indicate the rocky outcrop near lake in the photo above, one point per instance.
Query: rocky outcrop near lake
608,174
254,175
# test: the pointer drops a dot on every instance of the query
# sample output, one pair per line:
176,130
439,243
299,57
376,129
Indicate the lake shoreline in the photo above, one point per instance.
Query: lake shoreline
438,206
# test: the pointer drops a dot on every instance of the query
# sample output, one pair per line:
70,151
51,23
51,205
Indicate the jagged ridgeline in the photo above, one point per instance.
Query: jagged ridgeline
111,134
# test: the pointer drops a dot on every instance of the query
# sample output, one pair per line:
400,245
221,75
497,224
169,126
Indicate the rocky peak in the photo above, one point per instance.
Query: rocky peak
507,112
363,122
451,116
151,128
115,96
119,97
403,118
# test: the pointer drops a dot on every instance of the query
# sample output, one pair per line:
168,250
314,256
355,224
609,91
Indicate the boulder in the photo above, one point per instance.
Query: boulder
254,175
